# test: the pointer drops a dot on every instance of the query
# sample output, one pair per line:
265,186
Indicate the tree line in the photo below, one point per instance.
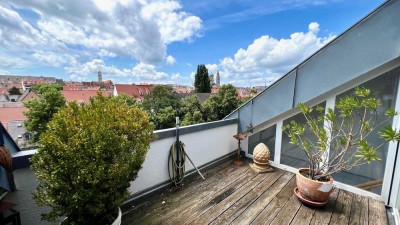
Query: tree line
162,104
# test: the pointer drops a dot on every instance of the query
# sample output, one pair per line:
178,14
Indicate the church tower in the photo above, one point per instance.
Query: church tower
99,76
217,79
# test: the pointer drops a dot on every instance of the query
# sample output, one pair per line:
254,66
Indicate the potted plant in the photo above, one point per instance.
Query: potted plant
341,141
87,158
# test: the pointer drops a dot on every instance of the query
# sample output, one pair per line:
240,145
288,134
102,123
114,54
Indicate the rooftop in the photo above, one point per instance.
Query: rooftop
238,195
81,95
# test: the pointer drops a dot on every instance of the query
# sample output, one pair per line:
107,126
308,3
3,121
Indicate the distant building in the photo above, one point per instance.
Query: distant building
20,135
136,91
28,95
217,79
82,96
13,98
11,113
182,89
87,85
29,83
99,77
211,77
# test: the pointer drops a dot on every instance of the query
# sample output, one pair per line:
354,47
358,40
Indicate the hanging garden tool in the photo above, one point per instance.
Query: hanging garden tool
177,158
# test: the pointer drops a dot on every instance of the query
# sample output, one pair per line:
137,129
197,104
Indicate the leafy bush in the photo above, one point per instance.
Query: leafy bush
87,158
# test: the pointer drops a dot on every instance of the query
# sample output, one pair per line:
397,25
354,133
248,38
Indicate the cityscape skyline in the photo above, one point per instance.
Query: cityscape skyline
250,43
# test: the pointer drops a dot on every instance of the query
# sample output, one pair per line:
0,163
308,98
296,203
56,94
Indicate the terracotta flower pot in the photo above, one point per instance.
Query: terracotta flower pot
312,190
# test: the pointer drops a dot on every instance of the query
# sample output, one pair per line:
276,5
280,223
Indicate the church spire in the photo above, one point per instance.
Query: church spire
99,76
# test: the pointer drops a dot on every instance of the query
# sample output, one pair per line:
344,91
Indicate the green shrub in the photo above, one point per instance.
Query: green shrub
87,158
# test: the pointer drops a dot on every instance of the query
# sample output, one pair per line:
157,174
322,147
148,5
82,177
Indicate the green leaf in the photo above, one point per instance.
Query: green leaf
389,134
391,113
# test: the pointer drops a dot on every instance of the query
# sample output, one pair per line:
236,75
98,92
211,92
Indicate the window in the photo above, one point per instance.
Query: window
27,136
370,176
266,136
292,155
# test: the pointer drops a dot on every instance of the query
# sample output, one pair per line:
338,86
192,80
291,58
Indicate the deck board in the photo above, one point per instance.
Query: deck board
323,216
238,195
341,213
241,199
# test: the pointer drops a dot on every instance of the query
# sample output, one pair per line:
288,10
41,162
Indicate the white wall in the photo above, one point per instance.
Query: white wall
202,147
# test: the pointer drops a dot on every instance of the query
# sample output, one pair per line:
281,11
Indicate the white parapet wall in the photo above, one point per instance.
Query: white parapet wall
204,143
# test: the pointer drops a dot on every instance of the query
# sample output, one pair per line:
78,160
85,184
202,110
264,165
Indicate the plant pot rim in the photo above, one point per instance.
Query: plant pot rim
316,181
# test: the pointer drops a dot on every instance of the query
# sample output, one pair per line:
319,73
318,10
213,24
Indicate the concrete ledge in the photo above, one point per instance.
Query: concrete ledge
21,158
171,132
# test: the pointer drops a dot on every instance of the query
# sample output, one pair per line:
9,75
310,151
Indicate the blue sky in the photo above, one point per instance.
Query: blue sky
139,41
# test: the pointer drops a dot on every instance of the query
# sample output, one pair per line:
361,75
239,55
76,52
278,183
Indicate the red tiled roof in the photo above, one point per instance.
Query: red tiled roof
10,114
182,90
136,91
80,96
214,90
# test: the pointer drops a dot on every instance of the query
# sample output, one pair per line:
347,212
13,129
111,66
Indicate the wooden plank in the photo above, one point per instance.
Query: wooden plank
341,212
263,200
304,215
232,207
214,210
215,194
359,210
288,211
323,216
376,212
269,213
176,197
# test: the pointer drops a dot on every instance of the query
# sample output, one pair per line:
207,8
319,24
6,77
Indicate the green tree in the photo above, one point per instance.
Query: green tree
41,88
165,118
128,100
202,80
194,118
156,102
88,157
191,111
41,111
221,104
14,91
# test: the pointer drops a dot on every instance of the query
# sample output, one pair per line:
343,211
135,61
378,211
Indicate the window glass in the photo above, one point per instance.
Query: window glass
266,136
292,155
370,176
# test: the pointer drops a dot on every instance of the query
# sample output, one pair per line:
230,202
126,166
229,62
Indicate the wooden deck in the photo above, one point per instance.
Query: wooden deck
238,195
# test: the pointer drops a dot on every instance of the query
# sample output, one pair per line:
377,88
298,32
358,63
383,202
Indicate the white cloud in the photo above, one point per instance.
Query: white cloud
141,72
52,59
8,61
144,71
170,60
104,53
134,29
268,56
212,68
174,25
176,76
